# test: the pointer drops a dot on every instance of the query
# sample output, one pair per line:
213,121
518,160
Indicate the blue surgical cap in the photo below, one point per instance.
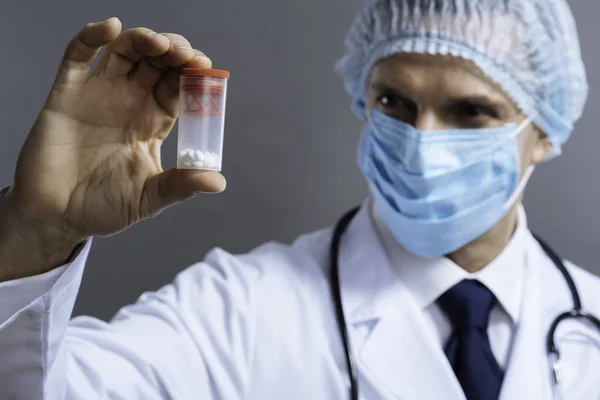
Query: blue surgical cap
528,47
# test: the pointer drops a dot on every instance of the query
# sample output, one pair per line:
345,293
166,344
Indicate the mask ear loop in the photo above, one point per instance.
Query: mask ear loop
521,127
527,174
521,186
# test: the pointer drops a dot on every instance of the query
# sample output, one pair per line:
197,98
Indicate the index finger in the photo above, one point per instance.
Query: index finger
166,90
84,47
200,60
180,53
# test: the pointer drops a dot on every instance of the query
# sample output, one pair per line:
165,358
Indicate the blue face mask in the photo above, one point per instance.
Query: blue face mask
439,190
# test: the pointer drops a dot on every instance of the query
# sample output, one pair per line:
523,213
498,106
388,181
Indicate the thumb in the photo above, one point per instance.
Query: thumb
175,185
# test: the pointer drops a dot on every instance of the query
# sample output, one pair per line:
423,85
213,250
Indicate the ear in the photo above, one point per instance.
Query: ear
541,147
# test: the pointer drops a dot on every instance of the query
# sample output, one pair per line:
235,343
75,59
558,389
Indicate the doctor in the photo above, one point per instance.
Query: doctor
445,292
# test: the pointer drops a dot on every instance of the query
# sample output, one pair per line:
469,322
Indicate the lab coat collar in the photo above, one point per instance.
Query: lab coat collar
368,283
399,356
428,278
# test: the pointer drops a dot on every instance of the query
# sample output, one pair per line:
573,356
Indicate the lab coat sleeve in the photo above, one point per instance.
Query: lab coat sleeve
191,339
34,313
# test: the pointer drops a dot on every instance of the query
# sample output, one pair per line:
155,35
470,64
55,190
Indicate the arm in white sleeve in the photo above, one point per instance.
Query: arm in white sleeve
191,339
34,312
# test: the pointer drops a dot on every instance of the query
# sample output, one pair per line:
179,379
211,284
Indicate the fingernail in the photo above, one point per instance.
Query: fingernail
182,45
163,39
110,19
200,55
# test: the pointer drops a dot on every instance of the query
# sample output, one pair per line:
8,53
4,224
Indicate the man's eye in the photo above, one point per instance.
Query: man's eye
388,100
394,102
396,106
474,111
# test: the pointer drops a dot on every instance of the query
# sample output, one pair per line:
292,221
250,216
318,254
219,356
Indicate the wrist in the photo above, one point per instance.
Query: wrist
29,247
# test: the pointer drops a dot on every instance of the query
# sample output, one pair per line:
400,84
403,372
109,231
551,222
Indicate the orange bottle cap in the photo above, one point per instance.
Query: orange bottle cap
218,73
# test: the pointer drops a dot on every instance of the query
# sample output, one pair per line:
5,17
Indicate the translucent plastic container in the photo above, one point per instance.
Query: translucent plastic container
202,99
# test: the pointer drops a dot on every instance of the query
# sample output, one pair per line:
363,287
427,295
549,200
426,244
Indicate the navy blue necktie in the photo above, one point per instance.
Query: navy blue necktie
468,305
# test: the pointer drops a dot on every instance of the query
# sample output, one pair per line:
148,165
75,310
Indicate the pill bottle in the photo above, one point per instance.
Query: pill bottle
202,100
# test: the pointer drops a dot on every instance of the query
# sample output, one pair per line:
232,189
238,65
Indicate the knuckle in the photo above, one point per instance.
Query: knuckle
72,47
156,63
71,44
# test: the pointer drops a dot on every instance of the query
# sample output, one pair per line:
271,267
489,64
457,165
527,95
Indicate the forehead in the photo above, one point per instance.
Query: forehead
439,74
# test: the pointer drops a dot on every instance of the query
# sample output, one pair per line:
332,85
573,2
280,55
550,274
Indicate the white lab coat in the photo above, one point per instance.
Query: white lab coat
261,326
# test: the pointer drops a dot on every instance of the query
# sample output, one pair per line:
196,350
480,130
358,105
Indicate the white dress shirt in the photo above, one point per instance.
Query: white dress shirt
428,278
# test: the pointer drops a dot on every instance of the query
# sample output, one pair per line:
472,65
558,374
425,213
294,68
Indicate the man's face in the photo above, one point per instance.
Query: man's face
433,92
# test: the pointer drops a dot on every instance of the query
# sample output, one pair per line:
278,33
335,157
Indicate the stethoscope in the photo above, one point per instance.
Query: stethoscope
576,312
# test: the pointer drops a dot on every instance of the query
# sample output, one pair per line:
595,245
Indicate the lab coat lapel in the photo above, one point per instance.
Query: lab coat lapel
527,374
402,354
399,355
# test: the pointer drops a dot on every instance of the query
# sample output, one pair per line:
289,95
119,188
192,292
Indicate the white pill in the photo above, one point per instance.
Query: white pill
187,164
208,158
199,155
198,164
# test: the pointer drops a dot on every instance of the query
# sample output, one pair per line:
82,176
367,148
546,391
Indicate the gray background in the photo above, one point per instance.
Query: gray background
290,136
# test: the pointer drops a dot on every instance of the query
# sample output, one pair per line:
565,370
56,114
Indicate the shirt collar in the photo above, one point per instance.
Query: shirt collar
427,278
